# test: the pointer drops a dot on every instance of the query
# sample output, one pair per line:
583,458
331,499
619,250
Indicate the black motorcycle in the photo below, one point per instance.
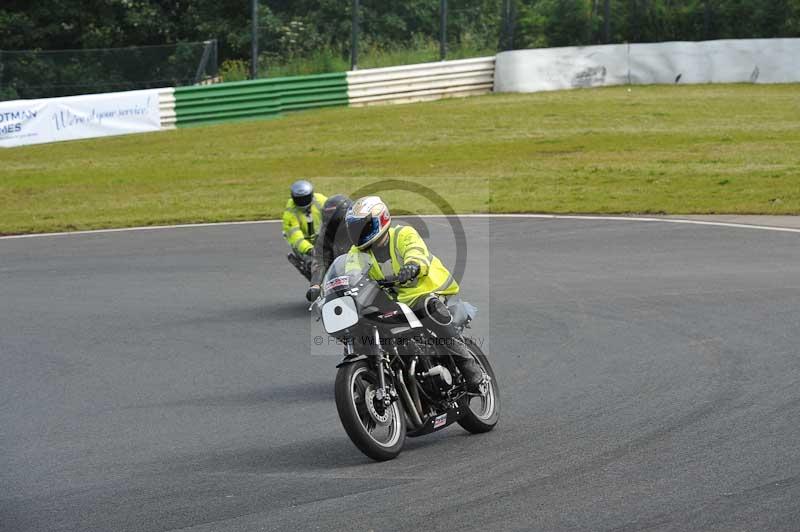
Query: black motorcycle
397,378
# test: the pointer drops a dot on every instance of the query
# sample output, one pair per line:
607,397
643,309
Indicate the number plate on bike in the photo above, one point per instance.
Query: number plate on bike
339,314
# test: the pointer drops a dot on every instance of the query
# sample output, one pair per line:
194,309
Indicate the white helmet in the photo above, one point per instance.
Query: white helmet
367,220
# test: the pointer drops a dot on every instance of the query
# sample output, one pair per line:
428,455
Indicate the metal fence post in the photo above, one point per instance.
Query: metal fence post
442,30
607,21
202,65
216,57
505,25
512,11
354,36
254,41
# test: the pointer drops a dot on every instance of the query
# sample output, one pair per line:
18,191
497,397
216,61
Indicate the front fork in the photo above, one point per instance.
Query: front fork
389,394
386,396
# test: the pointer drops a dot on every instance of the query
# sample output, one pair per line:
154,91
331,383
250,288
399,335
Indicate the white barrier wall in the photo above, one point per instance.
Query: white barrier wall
25,122
166,108
726,61
426,81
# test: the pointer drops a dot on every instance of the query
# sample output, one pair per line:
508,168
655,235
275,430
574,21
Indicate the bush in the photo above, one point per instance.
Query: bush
234,70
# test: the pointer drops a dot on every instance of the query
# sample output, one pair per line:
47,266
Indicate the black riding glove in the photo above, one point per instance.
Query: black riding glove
407,273
313,293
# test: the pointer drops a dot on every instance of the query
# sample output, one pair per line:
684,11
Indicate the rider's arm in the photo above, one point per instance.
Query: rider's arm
316,270
293,234
412,249
323,255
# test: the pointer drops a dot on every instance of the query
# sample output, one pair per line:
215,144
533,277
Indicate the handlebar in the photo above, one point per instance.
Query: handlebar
388,282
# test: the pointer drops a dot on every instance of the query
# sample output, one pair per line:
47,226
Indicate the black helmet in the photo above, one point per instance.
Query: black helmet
302,193
335,208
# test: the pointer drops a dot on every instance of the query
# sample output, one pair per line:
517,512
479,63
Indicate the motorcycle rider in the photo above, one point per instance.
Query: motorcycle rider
423,279
302,219
331,242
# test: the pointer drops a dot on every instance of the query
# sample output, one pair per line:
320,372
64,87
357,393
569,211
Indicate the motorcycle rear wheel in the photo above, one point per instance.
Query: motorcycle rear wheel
365,421
483,412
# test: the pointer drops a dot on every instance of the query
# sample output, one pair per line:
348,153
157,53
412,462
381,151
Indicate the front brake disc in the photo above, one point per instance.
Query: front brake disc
383,419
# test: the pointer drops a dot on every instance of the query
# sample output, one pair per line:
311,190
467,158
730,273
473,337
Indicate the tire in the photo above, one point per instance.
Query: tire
351,402
488,414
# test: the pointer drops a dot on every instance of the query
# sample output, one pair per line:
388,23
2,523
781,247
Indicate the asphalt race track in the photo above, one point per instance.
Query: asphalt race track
166,380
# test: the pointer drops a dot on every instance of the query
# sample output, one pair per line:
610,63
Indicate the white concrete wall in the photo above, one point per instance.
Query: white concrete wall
727,61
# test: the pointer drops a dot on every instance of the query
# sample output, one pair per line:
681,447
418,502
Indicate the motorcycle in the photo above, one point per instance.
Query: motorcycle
301,262
397,378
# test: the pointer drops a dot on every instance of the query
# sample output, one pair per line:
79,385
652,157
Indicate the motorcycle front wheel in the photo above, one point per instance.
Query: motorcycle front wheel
378,431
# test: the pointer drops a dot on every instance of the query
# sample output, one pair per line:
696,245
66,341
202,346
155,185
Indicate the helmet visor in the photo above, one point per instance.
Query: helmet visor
362,230
302,201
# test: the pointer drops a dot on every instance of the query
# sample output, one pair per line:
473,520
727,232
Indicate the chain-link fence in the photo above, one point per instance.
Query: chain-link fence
46,74
551,23
367,34
374,33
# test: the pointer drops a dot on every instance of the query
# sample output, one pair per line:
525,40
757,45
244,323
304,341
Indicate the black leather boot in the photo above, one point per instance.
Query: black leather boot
472,372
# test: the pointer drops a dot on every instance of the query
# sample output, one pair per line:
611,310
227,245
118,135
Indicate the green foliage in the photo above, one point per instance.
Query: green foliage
305,36
576,22
298,38
319,61
234,70
32,74
372,55
554,23
298,28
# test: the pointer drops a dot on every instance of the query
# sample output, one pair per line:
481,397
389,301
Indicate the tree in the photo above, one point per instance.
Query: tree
554,22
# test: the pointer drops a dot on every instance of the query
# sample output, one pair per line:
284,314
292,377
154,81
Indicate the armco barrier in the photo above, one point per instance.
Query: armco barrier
261,98
426,81
166,108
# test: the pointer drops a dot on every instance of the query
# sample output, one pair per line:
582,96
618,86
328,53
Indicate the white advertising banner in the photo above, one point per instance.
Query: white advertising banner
25,122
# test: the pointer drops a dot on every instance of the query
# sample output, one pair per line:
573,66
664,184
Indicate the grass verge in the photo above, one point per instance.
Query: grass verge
678,150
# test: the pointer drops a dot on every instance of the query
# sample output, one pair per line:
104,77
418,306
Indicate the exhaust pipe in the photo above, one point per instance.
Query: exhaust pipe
410,407
412,379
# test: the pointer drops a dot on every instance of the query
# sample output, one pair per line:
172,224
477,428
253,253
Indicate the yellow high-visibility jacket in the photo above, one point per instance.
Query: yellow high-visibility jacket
406,246
296,226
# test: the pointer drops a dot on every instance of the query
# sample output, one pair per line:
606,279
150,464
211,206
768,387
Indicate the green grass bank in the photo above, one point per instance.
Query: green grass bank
676,150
